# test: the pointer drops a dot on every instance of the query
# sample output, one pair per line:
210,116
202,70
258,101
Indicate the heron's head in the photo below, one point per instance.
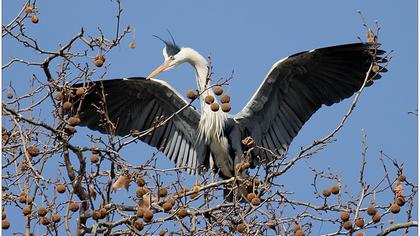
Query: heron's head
173,56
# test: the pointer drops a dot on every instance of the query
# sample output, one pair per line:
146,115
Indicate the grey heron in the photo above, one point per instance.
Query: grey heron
293,89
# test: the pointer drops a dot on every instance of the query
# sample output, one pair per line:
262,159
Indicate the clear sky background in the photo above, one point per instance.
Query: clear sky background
249,37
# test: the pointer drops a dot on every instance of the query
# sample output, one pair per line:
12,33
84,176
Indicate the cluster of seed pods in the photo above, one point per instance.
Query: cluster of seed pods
210,100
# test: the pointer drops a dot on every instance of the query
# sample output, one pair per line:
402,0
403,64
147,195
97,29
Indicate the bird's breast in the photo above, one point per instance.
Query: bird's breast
221,157
220,147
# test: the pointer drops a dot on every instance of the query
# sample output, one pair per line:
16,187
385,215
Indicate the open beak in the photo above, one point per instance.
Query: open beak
161,68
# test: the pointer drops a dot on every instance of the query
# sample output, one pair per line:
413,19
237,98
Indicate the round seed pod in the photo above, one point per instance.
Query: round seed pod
299,233
69,129
241,228
191,94
80,92
5,224
209,99
326,192
42,211
35,19
371,210
400,201
23,167
167,206
99,63
94,158
376,218
256,201
183,212
99,60
171,201
56,218
104,212
335,189
59,96
132,44
28,9
74,206
226,107
33,151
96,215
26,211
138,225
140,191
395,209
345,216
67,106
100,57
375,68
140,212
162,232
296,228
45,221
9,95
141,182
61,188
360,234
250,196
224,98
22,198
29,201
148,215
347,225
218,90
360,222
162,192
73,121
402,178
214,107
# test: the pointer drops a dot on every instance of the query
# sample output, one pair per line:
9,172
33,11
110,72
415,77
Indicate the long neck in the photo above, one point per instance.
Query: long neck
201,67
211,123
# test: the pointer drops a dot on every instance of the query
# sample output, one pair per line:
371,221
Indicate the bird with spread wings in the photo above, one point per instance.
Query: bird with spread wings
293,89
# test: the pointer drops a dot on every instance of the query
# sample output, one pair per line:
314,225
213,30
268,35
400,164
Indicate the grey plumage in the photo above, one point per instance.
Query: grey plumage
297,86
138,104
292,91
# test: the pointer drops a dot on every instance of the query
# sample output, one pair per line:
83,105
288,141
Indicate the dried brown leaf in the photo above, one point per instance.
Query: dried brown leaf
122,181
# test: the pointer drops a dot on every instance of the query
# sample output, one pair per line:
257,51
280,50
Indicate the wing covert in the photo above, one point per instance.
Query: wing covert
138,105
299,85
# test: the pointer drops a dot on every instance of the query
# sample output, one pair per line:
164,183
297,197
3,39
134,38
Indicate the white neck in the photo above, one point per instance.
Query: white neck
200,65
211,123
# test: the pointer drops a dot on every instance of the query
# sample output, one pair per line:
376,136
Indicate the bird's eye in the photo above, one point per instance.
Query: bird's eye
172,57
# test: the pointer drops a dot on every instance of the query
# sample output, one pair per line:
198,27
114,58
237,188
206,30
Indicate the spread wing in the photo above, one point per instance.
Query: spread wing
139,105
299,85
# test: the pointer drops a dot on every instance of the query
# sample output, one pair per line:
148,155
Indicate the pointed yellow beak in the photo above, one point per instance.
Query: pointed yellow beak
158,70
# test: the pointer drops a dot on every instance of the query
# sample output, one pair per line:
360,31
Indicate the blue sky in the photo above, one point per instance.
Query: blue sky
247,37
